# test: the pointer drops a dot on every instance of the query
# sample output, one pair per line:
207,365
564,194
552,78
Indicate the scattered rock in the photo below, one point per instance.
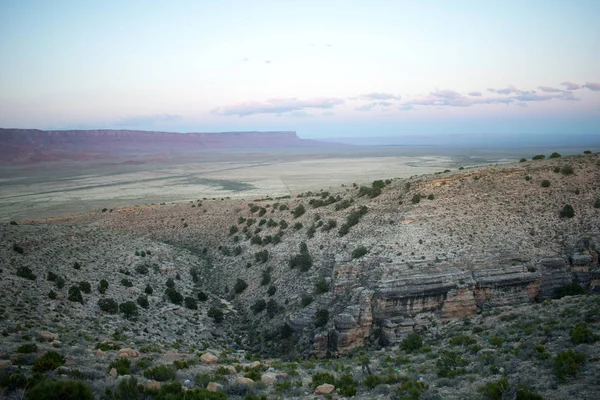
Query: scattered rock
268,379
214,387
231,369
113,372
128,353
208,358
48,336
152,385
100,353
325,388
244,381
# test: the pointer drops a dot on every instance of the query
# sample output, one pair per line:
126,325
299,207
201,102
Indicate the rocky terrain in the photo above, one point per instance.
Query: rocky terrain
471,283
33,145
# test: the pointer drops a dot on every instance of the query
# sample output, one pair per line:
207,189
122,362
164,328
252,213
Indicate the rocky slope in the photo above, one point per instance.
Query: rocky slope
423,255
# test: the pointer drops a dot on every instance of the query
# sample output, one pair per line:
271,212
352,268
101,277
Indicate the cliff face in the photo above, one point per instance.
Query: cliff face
31,145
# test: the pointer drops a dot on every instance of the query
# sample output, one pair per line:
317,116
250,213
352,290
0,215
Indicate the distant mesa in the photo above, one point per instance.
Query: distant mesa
33,145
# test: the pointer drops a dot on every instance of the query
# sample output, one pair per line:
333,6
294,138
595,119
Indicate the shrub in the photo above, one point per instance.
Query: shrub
202,296
567,364
216,314
430,197
129,309
297,226
52,295
60,390
570,289
51,276
48,362
261,256
108,305
359,252
538,157
148,289
320,378
555,155
75,294
321,285
298,211
18,248
233,230
102,286
346,385
160,373
258,306
240,286
545,183
597,203
321,317
85,287
283,224
342,205
496,341
556,170
582,334
271,291
449,363
27,348
306,300
416,199
522,160
587,152
329,225
371,381
567,211
141,269
567,170
170,283
25,272
142,301
126,282
122,366
174,296
266,277
462,340
191,303
272,308
412,342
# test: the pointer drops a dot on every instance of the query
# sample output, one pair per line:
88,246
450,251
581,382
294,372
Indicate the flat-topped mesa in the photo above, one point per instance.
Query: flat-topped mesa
27,144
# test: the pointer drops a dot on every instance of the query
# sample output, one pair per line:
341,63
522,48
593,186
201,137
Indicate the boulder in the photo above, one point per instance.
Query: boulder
231,369
48,336
152,385
113,372
100,353
214,387
268,379
5,363
325,388
244,381
208,358
128,353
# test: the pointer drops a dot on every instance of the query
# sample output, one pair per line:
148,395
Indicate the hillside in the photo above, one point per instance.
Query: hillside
33,145
470,262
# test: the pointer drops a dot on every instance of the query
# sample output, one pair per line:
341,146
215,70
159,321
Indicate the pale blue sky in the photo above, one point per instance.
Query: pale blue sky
322,68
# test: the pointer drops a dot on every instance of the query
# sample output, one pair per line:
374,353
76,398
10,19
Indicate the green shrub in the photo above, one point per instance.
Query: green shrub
567,170
298,211
25,272
190,303
170,283
321,317
346,385
556,170
522,160
462,340
371,381
283,224
538,157
430,197
233,230
75,294
496,341
587,152
122,366
272,308
85,287
60,390
27,348
52,295
148,290
142,301
202,296
18,248
411,342
141,269
416,199
545,183
108,305
555,155
128,389
102,286
582,334
306,300
129,309
240,286
320,378
359,252
258,306
48,362
449,364
160,373
412,390
568,364
126,282
254,374
216,314
261,256
303,260
51,276
567,211
174,296
321,286
597,203
266,277
271,291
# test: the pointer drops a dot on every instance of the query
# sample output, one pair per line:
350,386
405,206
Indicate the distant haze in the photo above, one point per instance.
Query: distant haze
325,69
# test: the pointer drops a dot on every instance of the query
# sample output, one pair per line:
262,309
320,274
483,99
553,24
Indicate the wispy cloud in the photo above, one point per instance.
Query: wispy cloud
406,107
475,94
595,86
277,106
508,90
571,85
147,120
446,94
380,96
370,106
549,89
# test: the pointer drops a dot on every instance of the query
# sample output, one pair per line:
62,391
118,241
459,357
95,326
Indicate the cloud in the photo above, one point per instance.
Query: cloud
277,106
370,106
508,90
267,61
570,85
380,96
446,94
406,107
475,94
245,60
145,120
595,86
522,104
327,113
549,89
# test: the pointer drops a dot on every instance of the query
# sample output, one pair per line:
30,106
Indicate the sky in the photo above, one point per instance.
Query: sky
324,69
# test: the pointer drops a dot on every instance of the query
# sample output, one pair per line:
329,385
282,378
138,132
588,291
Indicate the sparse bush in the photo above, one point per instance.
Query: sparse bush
142,301
412,342
570,289
108,305
555,155
416,198
122,366
321,317
556,170
283,224
321,286
75,294
597,203
85,287
141,269
449,364
25,272
430,197
582,334
102,286
174,296
523,160
587,152
329,225
567,211
233,230
320,378
567,170
261,256
545,183
48,362
148,290
359,252
52,295
266,277
568,364
462,340
60,390
258,306
272,308
170,283
306,300
202,296
496,341
18,248
538,157
27,348
191,303
216,314
160,373
128,309
298,211
126,282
